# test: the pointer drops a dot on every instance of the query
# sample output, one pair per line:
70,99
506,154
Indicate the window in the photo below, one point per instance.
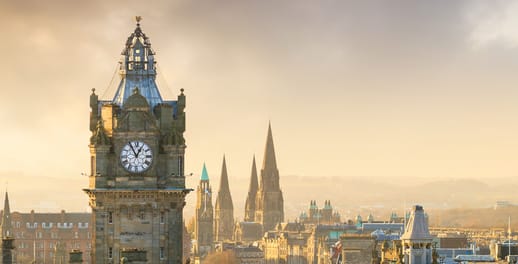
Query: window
110,253
38,235
142,215
110,218
43,225
76,235
162,253
180,166
53,235
162,217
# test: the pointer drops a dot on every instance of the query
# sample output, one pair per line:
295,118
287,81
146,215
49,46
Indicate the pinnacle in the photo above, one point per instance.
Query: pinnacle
204,174
269,161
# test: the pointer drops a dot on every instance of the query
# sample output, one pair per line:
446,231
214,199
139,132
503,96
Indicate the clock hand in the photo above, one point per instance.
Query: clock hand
140,150
132,149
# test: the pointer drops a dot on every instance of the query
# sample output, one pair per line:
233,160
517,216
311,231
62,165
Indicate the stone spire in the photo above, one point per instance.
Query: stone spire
269,161
224,215
252,192
269,201
6,218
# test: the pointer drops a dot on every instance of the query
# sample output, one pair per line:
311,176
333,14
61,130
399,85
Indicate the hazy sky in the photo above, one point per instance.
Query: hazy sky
381,89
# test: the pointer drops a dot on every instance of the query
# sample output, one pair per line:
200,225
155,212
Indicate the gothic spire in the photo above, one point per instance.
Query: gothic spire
253,179
224,199
223,184
6,218
269,161
251,197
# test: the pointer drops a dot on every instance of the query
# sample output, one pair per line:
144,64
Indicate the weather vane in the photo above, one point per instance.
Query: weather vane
138,19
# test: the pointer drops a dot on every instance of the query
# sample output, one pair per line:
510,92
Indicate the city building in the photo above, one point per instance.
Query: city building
224,209
47,238
315,215
137,183
358,249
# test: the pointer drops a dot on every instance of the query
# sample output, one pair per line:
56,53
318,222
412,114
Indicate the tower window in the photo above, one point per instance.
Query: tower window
162,253
162,217
110,253
110,217
180,166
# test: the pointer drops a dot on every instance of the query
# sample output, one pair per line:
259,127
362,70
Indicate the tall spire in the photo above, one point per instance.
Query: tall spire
6,218
224,214
224,199
269,204
269,160
252,191
223,184
138,69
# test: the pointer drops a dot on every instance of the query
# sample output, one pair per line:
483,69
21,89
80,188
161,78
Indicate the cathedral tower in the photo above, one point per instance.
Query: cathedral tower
204,217
269,204
250,198
224,211
137,182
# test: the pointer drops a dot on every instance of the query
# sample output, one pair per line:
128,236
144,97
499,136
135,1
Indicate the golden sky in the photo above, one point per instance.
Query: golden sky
379,89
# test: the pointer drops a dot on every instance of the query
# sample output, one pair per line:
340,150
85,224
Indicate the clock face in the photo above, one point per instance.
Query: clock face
136,156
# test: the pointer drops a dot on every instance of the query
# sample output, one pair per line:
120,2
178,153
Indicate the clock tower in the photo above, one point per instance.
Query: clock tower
137,181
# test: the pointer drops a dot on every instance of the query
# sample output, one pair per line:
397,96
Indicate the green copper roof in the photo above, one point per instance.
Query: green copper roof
204,174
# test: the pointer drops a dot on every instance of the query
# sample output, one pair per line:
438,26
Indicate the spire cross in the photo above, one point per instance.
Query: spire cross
138,19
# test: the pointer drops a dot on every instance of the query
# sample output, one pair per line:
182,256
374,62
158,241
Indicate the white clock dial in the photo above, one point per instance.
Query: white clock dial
136,156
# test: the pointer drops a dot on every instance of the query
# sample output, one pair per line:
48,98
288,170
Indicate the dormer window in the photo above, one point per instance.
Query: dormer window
137,51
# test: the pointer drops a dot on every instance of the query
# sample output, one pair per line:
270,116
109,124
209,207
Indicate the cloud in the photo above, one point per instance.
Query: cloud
493,23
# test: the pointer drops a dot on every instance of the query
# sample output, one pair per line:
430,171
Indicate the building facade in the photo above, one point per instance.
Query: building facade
137,182
47,238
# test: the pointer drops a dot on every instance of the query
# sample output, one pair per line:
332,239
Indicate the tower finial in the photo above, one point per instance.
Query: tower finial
138,19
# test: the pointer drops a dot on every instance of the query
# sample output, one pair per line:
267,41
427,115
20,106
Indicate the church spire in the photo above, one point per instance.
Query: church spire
269,161
224,209
224,199
269,204
252,191
6,218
